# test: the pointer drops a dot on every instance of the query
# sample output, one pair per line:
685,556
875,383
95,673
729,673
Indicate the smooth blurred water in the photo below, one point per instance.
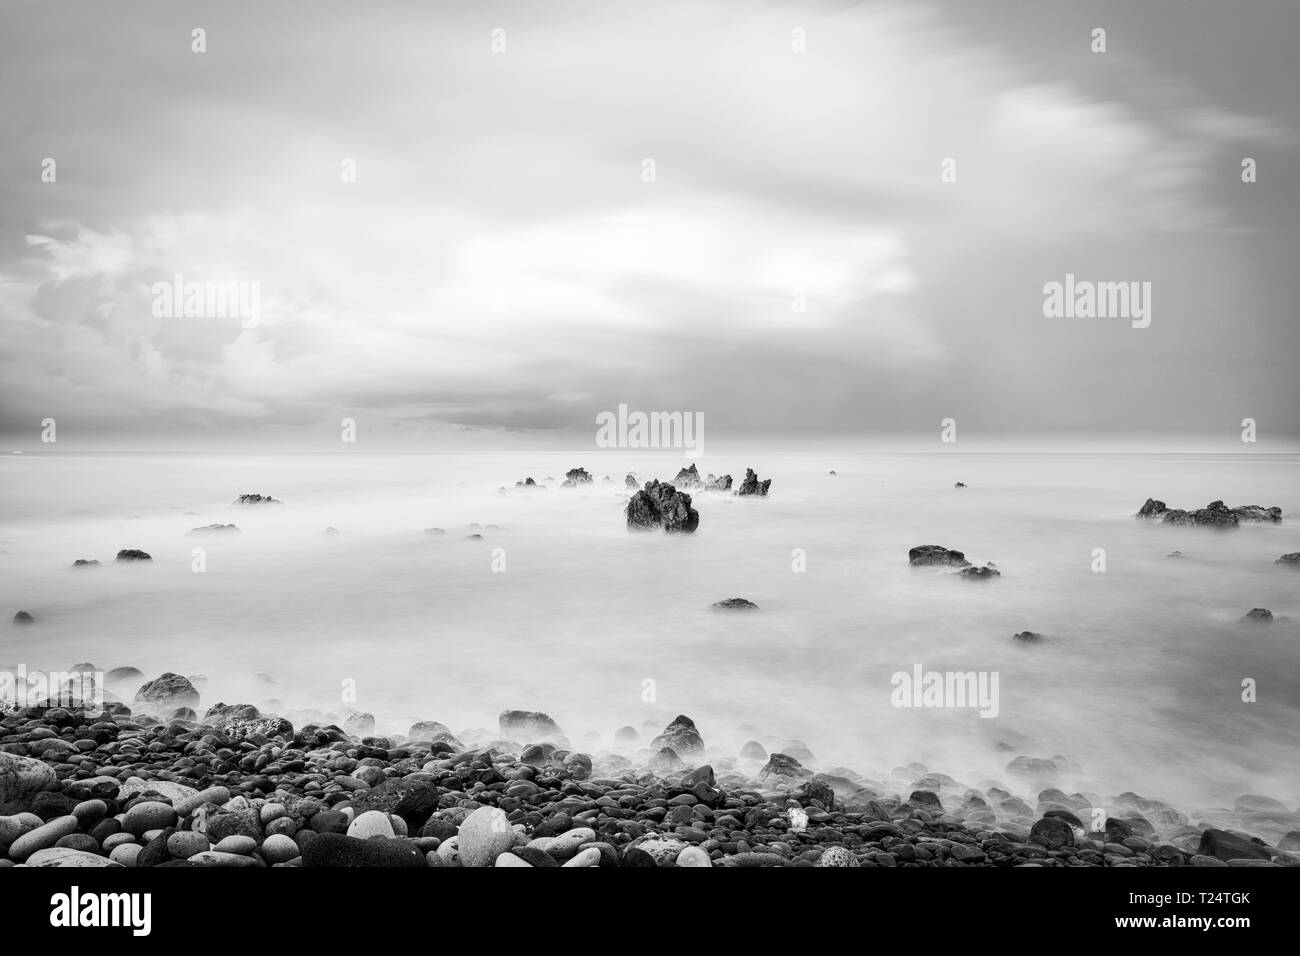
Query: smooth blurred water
1139,680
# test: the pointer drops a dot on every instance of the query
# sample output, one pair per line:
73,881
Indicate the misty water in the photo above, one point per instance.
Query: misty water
1139,679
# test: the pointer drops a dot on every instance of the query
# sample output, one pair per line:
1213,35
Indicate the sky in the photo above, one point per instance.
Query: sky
505,267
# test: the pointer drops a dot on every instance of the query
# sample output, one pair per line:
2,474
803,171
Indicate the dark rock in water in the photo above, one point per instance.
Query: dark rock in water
1027,637
661,506
718,484
255,500
23,617
735,604
1174,554
474,537
213,529
220,714
1151,509
681,736
1215,515
576,476
1224,845
526,483
752,486
530,726
1052,833
168,692
85,563
979,574
960,484
688,478
1259,615
779,764
434,531
337,849
1292,559
132,554
927,555
631,482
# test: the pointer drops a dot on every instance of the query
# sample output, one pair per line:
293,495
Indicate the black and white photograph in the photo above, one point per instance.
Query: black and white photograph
718,434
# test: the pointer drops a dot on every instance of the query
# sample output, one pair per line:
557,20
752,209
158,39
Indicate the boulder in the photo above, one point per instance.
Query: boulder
85,563
735,604
783,765
979,574
1027,637
529,726
483,836
24,617
1258,615
1225,845
21,779
133,554
681,736
661,506
167,692
576,476
338,850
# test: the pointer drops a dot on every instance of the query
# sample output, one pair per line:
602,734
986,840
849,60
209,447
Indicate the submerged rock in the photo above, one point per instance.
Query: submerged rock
735,604
1027,637
979,574
1214,515
213,529
255,500
927,555
752,486
1293,559
661,506
576,476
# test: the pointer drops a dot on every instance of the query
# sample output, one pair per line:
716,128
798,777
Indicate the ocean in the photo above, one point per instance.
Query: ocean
559,608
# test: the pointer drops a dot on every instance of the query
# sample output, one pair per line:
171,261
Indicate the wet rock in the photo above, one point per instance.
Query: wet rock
681,736
529,726
688,478
980,574
168,692
779,764
133,554
960,484
335,849
1028,637
936,555
752,486
21,779
1258,615
1151,508
1292,559
24,617
661,506
1052,833
85,563
1225,845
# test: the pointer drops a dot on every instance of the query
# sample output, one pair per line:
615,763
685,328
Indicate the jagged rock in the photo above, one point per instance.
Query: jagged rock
1215,515
718,484
133,554
735,604
1152,509
255,500
688,478
928,555
979,574
631,482
661,506
526,483
167,692
1259,615
681,736
576,476
752,486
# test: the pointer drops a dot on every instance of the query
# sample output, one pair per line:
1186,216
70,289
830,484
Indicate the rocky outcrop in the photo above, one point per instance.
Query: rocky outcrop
526,483
133,554
1214,515
1027,637
989,570
960,484
576,476
1293,559
255,500
85,563
718,484
1258,615
752,486
530,726
936,555
631,482
661,506
688,478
